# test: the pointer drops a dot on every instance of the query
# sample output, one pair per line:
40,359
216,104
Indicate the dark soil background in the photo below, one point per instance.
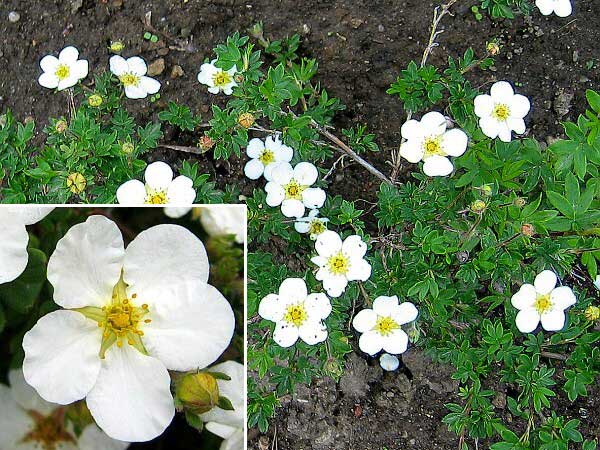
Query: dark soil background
361,47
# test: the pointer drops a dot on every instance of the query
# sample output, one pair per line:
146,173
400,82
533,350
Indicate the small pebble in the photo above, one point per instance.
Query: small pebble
14,17
156,67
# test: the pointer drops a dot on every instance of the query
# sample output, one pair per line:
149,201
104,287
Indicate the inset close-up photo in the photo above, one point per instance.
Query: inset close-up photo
122,328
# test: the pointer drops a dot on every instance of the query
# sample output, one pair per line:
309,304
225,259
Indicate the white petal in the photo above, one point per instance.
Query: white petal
270,308
501,91
162,257
546,7
519,106
563,8
49,64
437,166
545,282
158,176
26,396
385,306
396,342
406,313
524,298
150,85
293,290
68,82
255,148
433,123
214,90
137,66
48,80
365,320
181,191
484,105
370,342
68,55
292,208
412,130
313,197
504,132
313,332
275,194
389,362
62,356
93,438
27,215
562,297
553,320
354,246
15,423
412,150
359,270
135,92
191,326
454,142
87,263
489,126
317,306
254,169
305,173
13,249
517,125
176,212
282,173
80,69
527,320
301,226
131,400
284,153
285,334
335,285
118,65
234,391
328,243
132,192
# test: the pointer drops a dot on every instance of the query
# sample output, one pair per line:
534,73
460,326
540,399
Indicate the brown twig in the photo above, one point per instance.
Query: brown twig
183,148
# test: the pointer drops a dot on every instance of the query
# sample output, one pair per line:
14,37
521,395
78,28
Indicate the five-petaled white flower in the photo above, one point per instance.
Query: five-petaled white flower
296,313
389,362
265,155
542,302
429,141
29,422
220,220
311,224
63,72
132,75
13,244
502,111
130,316
229,425
381,325
340,262
291,188
562,8
160,188
217,80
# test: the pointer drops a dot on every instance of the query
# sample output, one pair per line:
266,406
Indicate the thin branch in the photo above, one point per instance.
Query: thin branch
183,148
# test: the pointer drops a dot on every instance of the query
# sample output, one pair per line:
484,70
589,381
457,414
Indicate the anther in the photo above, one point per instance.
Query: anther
134,296
119,344
147,320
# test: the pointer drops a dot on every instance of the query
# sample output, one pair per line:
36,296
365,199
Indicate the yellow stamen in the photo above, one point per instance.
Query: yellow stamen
221,78
156,197
338,264
385,325
296,314
433,146
129,79
293,190
267,157
543,304
501,112
62,71
316,226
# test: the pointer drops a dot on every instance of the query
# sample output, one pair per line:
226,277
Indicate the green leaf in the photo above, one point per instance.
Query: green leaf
225,403
194,420
21,294
561,203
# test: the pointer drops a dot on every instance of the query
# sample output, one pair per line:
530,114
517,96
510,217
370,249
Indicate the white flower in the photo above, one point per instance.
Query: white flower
220,220
229,425
132,74
544,302
562,8
63,72
381,325
130,316
389,362
291,189
217,80
312,224
296,313
429,141
14,238
502,111
28,422
264,156
340,262
160,188
176,212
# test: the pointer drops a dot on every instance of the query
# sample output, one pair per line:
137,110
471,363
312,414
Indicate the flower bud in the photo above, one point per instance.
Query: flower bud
333,368
127,147
519,202
486,189
493,48
76,183
239,78
246,120
592,313
95,100
116,46
198,392
478,206
206,143
528,229
61,126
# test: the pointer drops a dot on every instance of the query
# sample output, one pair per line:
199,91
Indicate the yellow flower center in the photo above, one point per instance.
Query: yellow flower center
62,71
338,264
48,432
156,198
221,78
543,304
295,314
294,190
433,146
316,227
385,325
129,79
121,320
501,112
267,157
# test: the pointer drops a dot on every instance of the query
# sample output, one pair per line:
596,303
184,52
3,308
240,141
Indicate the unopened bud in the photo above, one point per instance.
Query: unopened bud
528,229
519,202
333,368
486,190
61,126
493,48
592,313
246,120
127,147
478,206
206,143
95,100
116,46
239,78
198,392
76,183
